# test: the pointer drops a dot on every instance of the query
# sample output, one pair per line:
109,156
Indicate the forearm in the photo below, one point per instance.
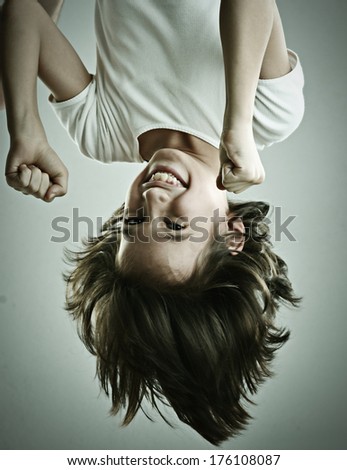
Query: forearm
245,28
34,47
21,30
53,8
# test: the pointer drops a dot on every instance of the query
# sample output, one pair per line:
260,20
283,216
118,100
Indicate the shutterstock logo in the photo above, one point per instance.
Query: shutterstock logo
142,229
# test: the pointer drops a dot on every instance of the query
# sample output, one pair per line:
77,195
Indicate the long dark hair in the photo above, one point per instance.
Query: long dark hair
202,346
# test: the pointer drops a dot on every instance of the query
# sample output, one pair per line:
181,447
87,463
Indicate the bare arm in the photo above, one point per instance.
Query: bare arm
32,46
53,9
275,61
253,46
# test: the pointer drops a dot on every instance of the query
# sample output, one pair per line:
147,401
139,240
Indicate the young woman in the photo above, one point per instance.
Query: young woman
177,296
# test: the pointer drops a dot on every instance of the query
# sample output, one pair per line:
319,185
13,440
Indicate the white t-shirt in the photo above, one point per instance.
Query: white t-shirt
160,65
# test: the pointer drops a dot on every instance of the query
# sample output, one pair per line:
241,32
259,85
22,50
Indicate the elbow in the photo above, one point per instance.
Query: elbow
53,8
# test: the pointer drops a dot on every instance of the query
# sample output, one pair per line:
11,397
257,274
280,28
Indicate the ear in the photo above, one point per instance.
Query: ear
235,238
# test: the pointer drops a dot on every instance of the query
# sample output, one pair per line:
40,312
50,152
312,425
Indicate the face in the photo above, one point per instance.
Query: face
172,210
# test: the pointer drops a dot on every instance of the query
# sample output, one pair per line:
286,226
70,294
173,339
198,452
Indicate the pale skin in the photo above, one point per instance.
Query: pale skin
53,8
33,46
253,46
166,219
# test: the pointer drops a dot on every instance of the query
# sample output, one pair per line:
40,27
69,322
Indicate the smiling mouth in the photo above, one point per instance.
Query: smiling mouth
166,175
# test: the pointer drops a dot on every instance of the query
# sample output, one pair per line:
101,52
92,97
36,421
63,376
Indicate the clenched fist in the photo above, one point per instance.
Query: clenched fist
240,164
34,168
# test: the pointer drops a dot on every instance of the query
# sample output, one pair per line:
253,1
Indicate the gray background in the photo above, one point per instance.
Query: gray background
49,397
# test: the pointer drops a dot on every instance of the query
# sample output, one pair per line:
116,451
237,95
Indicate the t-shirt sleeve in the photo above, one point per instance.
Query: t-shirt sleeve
279,105
79,116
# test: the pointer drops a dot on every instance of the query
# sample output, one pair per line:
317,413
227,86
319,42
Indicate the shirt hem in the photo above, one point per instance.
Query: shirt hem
175,127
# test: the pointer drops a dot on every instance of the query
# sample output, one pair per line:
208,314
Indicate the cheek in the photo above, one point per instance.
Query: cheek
133,197
202,202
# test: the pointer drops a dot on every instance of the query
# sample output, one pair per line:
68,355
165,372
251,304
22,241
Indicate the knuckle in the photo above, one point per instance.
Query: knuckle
24,181
36,193
34,188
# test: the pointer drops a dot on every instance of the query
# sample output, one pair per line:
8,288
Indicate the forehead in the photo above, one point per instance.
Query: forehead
169,259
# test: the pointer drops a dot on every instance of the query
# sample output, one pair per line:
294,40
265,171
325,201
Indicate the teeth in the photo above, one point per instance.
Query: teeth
165,177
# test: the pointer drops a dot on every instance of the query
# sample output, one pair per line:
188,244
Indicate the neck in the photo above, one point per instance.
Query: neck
156,139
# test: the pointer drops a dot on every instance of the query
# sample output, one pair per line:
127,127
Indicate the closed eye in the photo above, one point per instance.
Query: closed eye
173,225
169,223
133,220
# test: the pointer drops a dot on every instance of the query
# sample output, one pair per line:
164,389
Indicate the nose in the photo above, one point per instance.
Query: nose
156,201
